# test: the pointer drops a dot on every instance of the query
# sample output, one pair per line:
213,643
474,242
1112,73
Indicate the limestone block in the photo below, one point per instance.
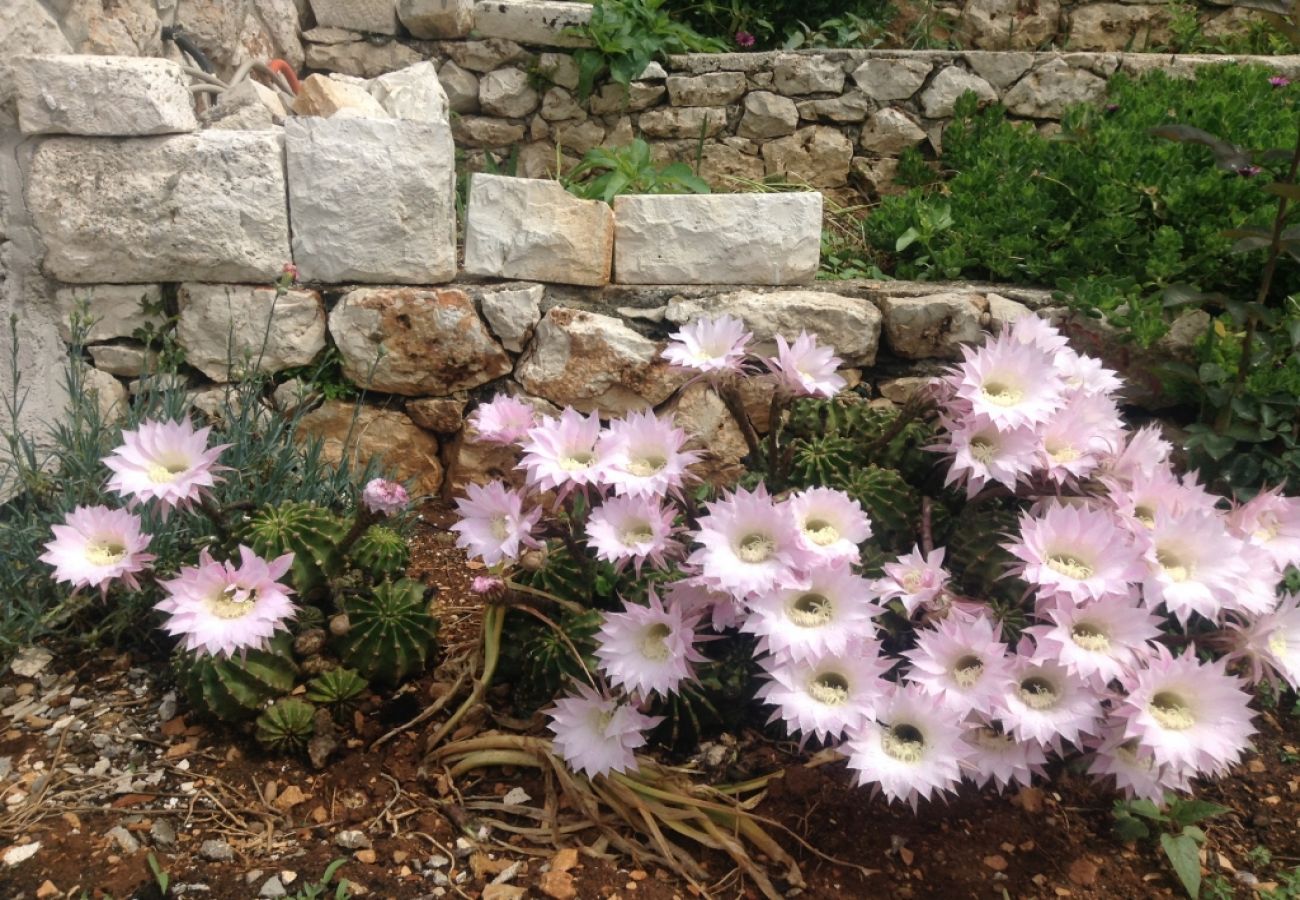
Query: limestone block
128,359
939,98
686,122
539,23
1118,26
560,69
109,393
437,18
115,310
852,106
710,89
615,99
1004,311
717,238
535,230
249,106
891,131
363,59
849,324
878,175
26,27
443,415
818,155
559,105
227,329
461,86
768,115
721,166
794,75
999,68
387,435
594,363
1046,91
891,79
485,131
999,25
933,326
484,56
195,206
512,313
507,93
102,96
374,16
579,136
326,97
710,428
414,94
415,342
372,200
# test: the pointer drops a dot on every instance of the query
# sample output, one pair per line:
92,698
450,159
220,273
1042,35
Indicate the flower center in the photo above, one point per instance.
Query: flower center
904,743
968,670
1266,529
1277,643
911,581
645,466
992,739
165,471
830,688
810,610
1128,751
1172,711
1063,454
231,602
577,460
105,553
1090,637
1146,515
1070,566
1000,394
983,450
755,548
637,533
600,719
1175,568
654,647
500,528
1038,693
821,532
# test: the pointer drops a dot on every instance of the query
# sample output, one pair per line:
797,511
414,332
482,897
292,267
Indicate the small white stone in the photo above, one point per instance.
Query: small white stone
20,854
516,797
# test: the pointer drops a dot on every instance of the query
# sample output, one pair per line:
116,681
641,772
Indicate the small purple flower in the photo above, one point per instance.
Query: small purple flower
488,586
1279,81
1112,107
744,39
385,497
1248,171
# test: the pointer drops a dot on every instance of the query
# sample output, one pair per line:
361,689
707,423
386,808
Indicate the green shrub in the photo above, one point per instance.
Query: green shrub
627,35
773,23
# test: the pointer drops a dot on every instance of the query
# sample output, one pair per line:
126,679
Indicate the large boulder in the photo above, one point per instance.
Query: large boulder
415,342
360,434
227,329
114,96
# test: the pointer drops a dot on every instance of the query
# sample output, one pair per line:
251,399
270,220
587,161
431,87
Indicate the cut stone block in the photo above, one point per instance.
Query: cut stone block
229,329
415,94
327,97
374,16
541,23
102,96
437,18
533,229
929,327
717,238
372,200
115,310
207,206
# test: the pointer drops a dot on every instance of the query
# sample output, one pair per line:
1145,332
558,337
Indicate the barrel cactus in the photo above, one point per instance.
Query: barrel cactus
381,552
286,725
821,461
238,688
976,555
311,533
891,503
391,633
337,689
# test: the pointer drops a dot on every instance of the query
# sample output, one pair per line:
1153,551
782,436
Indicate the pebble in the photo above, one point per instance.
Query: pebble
352,839
251,876
216,851
162,832
124,839
1246,878
15,855
272,888
167,707
47,889
366,857
996,862
516,797
437,861
31,661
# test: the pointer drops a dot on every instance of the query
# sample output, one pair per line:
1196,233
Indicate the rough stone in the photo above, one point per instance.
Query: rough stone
323,96
890,131
723,166
891,79
248,106
1003,311
102,96
902,390
1000,25
226,329
363,59
768,115
999,68
615,99
414,342
535,230
850,324
115,310
483,56
124,28
512,313
374,16
853,106
1046,91
709,89
360,434
507,93
818,155
938,99
461,86
372,200
710,428
560,69
195,206
124,840
558,105
469,460
878,175
437,18
442,415
794,75
933,326
216,851
414,94
594,363
1118,26
579,136
539,23
129,360
483,131
111,398
761,238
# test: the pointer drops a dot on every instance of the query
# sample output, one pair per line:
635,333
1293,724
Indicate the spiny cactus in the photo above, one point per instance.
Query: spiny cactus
308,531
560,575
391,634
381,552
237,688
892,504
821,461
975,553
337,689
286,725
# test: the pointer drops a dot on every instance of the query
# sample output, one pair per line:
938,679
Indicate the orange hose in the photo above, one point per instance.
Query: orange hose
279,65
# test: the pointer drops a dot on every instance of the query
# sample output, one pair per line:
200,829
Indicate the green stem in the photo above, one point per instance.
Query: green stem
493,619
570,605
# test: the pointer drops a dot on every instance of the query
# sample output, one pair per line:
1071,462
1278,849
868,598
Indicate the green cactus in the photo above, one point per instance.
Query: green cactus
391,634
821,461
308,531
561,575
976,556
715,701
337,689
381,552
893,505
286,725
237,688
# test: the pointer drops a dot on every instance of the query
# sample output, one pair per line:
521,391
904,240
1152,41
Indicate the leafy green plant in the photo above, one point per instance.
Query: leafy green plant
324,377
1175,828
162,878
604,173
627,35
846,30
319,889
784,23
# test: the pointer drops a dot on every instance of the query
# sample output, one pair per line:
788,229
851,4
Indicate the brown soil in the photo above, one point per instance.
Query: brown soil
278,814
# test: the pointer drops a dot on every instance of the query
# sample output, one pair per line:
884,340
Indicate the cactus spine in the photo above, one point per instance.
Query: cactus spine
391,634
237,688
